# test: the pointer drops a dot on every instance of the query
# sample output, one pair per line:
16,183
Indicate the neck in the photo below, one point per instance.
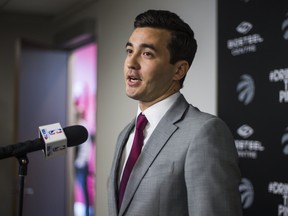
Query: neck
145,105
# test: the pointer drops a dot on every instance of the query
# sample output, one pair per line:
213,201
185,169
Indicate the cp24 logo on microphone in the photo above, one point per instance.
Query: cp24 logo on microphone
46,134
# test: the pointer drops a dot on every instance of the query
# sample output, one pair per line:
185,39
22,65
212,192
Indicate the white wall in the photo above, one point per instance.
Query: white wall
114,110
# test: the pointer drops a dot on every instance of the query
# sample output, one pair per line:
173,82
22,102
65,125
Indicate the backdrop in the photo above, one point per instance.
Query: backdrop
253,97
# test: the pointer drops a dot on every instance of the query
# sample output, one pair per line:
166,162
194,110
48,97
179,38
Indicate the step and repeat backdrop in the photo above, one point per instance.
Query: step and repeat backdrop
253,98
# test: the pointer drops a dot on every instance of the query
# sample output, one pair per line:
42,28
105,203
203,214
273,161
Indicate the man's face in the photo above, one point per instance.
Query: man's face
149,77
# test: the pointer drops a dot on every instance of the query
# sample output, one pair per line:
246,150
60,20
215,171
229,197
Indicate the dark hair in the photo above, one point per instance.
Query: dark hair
183,45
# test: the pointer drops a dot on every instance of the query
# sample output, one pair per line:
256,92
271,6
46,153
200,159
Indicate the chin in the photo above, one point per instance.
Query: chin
132,96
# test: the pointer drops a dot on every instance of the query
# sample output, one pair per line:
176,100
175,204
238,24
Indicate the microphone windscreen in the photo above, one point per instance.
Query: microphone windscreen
76,135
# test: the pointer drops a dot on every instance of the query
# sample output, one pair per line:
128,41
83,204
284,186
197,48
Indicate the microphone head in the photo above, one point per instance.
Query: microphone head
76,135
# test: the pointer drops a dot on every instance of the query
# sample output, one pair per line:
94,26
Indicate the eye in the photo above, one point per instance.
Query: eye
148,54
129,50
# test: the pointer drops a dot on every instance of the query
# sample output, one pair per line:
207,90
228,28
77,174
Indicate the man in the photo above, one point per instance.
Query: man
188,163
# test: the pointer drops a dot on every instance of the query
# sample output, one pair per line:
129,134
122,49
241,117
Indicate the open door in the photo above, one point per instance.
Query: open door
42,101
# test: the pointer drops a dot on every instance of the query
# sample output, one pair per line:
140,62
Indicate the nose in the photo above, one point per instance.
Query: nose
132,62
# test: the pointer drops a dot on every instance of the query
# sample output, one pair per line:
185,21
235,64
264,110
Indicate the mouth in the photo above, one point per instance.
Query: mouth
134,79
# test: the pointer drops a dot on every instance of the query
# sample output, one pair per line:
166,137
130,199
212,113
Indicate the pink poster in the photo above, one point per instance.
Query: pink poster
83,73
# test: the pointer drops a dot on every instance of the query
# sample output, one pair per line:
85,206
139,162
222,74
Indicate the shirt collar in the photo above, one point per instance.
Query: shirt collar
155,113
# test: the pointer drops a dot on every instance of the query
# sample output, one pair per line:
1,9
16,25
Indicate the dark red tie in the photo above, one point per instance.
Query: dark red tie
133,156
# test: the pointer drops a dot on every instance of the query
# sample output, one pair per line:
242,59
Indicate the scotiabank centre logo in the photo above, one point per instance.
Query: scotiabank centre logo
247,148
280,75
246,43
246,89
280,188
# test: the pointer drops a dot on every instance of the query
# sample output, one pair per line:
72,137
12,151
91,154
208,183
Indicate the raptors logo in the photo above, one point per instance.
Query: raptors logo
246,89
247,193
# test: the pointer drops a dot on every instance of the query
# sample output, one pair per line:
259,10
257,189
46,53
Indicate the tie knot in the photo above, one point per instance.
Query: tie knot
141,122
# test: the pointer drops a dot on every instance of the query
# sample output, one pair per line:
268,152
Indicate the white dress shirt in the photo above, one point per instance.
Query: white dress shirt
153,114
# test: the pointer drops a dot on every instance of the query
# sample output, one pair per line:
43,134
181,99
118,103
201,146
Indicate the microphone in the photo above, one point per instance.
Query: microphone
76,135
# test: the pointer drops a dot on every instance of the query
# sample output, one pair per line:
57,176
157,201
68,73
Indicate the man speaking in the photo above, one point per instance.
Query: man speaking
172,159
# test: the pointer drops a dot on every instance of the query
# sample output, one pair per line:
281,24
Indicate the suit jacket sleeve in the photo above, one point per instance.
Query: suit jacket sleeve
211,172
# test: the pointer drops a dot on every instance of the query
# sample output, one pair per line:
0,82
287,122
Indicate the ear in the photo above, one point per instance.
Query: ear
181,68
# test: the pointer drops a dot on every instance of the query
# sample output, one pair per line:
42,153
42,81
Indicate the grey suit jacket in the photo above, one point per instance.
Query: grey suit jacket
189,166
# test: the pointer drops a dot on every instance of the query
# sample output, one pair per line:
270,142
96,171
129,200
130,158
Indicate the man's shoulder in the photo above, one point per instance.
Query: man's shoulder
195,114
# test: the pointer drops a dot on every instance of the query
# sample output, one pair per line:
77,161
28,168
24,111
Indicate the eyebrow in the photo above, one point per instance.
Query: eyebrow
144,45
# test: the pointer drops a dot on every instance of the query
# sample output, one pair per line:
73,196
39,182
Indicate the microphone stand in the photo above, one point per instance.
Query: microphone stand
22,172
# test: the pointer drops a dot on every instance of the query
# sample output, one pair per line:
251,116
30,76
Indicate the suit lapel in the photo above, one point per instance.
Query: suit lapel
155,144
115,165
